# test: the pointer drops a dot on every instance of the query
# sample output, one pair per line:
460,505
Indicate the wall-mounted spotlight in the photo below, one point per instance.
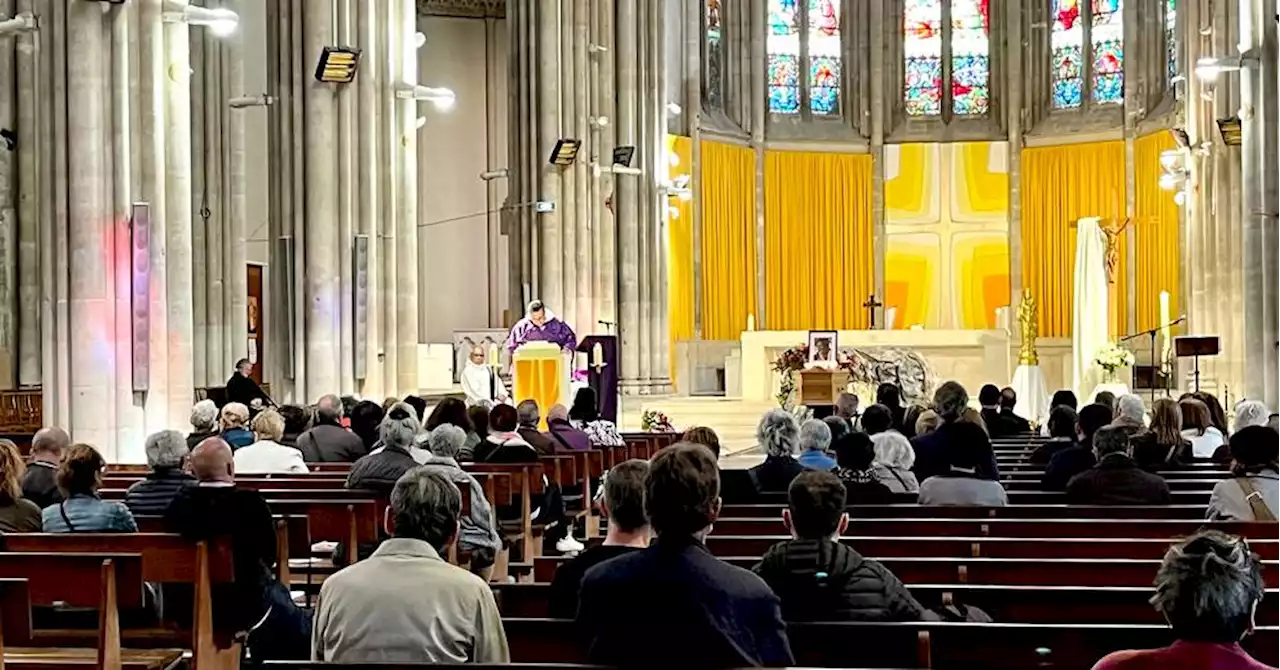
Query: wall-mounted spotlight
1209,67
673,108
22,23
565,152
598,121
1171,159
220,21
500,173
244,101
337,65
419,39
442,98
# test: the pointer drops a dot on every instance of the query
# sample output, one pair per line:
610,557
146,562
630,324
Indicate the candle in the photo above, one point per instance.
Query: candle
597,355
493,355
1164,328
751,322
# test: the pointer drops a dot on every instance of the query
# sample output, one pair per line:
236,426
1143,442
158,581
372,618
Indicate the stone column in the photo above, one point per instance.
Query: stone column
236,286
550,282
177,165
1014,107
406,152
152,99
8,214
625,204
29,162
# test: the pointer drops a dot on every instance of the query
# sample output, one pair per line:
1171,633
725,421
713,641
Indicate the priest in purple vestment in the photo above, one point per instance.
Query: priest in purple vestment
540,325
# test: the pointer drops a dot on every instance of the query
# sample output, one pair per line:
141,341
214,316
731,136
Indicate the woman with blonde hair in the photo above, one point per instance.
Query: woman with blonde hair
267,455
17,514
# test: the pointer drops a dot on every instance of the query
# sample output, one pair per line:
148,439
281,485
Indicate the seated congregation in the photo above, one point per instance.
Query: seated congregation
946,536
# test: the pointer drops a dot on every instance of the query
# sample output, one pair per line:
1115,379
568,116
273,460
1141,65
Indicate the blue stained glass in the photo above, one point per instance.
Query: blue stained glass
824,85
784,84
1108,88
784,100
923,86
922,50
782,17
1067,93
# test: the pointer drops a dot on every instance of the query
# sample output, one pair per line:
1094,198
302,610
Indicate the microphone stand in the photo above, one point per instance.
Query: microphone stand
1155,370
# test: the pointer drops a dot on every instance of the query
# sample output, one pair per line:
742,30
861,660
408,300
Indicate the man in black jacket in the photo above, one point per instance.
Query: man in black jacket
1116,479
328,441
1071,461
381,469
1008,401
819,579
242,389
39,484
693,609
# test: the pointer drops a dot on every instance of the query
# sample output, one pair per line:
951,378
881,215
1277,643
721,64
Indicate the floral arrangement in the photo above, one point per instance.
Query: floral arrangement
579,376
1112,357
786,365
653,421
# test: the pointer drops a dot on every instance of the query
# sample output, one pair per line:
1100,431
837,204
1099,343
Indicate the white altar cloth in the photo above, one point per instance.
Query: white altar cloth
971,357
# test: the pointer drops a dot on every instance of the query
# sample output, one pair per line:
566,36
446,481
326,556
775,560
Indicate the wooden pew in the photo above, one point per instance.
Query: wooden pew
1054,528
911,510
993,547
526,482
159,558
945,646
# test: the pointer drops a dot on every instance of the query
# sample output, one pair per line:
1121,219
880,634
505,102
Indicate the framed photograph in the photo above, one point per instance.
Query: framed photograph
823,345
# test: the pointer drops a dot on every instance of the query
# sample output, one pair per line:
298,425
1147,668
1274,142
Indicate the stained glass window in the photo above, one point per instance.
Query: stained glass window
783,46
970,59
1107,38
824,57
1171,36
715,54
1067,56
922,49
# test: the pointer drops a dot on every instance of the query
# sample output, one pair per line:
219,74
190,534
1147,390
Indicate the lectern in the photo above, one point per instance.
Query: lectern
540,372
818,389
602,372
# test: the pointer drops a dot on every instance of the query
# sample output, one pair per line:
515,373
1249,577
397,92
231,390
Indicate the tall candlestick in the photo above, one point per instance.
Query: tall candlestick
597,355
493,355
751,322
1165,340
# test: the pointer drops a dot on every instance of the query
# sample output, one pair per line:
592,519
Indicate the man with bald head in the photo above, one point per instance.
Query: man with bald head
328,441
39,485
257,602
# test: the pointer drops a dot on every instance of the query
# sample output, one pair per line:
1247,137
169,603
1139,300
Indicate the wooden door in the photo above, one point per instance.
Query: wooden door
255,321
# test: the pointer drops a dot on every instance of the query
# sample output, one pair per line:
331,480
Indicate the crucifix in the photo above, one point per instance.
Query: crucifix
871,304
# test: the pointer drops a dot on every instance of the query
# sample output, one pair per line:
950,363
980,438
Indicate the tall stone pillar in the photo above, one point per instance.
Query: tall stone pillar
177,183
8,214
1258,116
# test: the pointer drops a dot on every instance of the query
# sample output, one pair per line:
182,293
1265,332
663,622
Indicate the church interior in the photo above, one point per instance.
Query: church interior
658,215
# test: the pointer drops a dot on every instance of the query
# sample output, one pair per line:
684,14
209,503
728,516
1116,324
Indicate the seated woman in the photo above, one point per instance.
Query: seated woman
1161,446
778,434
453,411
1062,435
267,455
894,458
82,511
585,416
235,422
1253,492
204,422
855,454
1208,589
17,514
1198,428
477,535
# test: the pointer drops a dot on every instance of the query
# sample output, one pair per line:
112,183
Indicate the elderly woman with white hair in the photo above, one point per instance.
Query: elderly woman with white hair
478,538
166,454
815,440
379,469
892,465
779,435
1250,413
204,423
235,425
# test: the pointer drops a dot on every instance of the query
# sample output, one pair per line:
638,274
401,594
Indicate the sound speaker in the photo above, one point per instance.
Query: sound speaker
140,294
284,255
360,303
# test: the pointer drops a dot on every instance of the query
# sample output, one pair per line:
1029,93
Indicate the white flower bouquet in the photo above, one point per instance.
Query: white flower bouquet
1112,357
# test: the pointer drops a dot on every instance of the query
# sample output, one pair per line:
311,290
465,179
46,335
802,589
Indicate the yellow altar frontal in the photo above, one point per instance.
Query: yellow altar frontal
540,372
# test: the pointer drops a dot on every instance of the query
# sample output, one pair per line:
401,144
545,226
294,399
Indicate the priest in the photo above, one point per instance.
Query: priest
541,325
242,389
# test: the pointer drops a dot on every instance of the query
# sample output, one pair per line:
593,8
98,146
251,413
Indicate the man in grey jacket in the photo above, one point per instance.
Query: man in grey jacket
406,604
477,535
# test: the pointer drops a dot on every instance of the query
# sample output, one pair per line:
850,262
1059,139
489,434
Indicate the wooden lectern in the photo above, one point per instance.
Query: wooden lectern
540,372
819,387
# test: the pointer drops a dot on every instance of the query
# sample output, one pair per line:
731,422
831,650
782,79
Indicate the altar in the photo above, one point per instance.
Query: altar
971,357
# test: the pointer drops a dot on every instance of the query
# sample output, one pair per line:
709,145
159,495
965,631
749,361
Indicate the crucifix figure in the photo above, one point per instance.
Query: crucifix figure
871,304
1112,233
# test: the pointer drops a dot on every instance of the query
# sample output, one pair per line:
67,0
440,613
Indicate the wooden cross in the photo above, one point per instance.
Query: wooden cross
871,304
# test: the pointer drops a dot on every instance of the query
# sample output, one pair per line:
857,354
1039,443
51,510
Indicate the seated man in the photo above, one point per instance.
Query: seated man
406,604
1075,459
166,454
1062,435
328,441
562,430
256,602
820,579
40,483
1116,479
528,415
964,483
694,609
1208,589
1008,401
815,440
623,506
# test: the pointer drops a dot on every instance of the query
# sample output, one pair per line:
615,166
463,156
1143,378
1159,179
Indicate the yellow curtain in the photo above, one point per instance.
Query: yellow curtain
819,263
728,239
1059,186
679,251
1158,255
